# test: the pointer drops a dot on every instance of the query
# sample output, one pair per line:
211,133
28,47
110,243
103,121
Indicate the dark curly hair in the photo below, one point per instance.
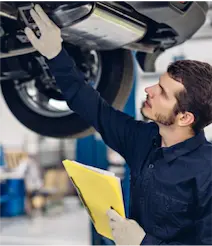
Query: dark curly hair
196,77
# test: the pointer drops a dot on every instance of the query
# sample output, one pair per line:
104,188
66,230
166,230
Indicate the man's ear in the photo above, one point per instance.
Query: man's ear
185,119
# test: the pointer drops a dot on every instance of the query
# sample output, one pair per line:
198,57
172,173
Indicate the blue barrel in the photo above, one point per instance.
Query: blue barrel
2,160
12,197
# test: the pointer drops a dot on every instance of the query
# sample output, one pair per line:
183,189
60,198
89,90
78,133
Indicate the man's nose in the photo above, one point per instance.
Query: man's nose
149,91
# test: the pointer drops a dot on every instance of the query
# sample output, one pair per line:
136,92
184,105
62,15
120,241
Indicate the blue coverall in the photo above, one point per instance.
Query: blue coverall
171,192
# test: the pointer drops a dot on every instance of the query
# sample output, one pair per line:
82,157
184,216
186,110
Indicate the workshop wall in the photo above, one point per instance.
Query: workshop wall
12,133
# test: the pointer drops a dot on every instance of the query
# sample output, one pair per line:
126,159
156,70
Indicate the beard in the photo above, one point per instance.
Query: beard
166,120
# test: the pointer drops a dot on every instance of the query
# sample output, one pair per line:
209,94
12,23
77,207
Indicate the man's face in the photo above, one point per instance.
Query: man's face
161,100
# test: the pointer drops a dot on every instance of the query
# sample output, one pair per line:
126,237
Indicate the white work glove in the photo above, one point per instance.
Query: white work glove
125,231
50,42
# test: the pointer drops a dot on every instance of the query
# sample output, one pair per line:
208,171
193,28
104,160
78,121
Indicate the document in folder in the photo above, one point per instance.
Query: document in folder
99,190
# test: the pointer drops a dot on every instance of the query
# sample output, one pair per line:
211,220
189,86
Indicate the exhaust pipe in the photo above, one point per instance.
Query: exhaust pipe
94,26
97,26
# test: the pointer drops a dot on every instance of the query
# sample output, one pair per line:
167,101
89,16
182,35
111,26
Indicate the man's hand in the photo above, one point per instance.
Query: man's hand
125,231
49,44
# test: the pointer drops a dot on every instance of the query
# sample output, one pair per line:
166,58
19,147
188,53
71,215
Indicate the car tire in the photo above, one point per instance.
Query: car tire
115,85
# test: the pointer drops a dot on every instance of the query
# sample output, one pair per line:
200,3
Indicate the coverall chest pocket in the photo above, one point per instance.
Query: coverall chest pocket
169,209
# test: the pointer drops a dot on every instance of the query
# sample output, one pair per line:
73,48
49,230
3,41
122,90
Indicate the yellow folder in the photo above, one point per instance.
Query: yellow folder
99,190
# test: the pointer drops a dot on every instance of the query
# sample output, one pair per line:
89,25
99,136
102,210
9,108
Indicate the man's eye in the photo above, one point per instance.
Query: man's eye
163,92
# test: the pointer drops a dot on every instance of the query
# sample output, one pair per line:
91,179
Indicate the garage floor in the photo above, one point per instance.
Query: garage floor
71,228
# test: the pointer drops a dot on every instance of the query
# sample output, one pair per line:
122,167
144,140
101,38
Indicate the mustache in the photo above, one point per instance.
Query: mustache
147,100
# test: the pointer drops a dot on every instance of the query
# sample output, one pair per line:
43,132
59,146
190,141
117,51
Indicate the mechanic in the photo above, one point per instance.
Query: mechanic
169,157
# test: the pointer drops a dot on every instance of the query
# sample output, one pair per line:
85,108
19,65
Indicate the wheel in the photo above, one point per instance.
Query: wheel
38,104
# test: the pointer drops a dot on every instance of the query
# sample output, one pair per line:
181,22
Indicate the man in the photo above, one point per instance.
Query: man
170,159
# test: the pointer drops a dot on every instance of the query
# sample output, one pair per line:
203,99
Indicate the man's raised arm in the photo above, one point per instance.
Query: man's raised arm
117,129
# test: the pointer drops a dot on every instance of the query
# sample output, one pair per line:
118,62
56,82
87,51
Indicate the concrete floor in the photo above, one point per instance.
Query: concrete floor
71,227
